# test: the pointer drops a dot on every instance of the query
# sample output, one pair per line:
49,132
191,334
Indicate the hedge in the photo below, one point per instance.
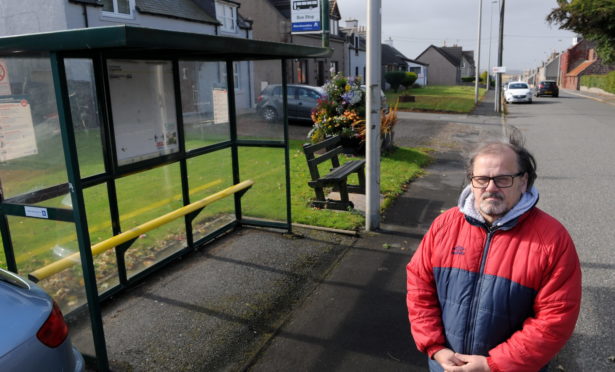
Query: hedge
604,82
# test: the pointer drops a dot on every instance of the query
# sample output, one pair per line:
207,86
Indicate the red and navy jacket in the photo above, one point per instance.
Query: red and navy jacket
511,293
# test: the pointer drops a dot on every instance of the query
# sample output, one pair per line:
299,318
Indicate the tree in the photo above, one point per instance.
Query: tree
395,78
483,76
409,79
594,19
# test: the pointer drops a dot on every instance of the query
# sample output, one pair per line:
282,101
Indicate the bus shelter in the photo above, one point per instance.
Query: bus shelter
124,148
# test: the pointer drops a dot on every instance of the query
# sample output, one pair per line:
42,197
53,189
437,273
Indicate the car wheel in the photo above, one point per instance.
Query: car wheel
530,101
269,114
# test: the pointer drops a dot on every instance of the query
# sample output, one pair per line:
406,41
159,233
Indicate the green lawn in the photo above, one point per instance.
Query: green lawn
147,195
437,98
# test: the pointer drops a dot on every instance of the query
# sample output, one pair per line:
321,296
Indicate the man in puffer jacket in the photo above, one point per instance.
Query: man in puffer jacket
495,284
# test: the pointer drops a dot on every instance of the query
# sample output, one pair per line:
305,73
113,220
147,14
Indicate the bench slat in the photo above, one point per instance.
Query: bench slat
326,156
345,170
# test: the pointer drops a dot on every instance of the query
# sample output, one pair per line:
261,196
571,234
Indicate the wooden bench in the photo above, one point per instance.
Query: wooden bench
337,176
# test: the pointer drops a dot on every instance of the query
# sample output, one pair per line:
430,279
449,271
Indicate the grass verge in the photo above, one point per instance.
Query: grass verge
454,99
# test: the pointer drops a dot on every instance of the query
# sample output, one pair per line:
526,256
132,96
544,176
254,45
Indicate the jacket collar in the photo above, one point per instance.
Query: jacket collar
466,205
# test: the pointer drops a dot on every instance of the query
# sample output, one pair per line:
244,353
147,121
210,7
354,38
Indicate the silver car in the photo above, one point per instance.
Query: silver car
302,99
34,336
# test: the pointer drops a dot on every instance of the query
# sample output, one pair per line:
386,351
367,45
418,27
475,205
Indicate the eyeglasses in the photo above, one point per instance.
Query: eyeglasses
503,181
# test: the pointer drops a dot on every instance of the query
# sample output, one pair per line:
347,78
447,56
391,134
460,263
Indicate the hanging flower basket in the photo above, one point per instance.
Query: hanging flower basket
342,112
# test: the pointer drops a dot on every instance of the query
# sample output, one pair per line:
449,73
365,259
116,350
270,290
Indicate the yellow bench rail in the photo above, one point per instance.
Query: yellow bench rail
68,261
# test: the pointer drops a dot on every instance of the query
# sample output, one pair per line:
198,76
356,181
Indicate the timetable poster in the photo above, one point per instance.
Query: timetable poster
143,107
17,138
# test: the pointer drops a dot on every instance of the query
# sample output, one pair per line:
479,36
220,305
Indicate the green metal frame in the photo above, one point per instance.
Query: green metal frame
98,45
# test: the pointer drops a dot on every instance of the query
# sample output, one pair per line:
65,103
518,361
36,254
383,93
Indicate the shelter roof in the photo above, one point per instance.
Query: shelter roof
154,43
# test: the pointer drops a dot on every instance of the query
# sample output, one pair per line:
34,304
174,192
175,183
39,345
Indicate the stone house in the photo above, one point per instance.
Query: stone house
579,60
209,17
394,60
447,65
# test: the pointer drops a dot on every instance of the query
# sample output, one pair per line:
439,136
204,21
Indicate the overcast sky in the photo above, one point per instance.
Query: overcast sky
415,24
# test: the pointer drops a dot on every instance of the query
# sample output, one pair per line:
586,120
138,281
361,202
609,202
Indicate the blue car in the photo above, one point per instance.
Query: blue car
34,336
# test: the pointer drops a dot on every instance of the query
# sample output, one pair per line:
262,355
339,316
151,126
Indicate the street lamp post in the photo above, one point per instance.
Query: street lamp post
498,76
477,63
490,42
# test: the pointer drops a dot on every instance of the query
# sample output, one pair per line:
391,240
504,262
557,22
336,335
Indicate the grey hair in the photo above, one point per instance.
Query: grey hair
525,160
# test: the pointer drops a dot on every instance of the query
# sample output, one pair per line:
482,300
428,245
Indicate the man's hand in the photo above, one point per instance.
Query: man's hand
447,358
469,363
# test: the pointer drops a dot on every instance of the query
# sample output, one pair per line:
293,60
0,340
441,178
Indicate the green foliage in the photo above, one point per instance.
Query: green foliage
591,18
604,82
483,76
467,79
395,78
409,79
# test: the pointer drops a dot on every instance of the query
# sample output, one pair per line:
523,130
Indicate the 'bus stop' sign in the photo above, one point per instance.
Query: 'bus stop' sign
305,16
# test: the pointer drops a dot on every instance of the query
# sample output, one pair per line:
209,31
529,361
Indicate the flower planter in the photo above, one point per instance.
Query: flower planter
352,146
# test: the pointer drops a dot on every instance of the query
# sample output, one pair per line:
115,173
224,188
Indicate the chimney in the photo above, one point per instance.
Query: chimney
352,23
389,41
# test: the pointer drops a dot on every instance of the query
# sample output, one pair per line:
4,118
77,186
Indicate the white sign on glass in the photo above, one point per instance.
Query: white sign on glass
5,84
17,137
143,109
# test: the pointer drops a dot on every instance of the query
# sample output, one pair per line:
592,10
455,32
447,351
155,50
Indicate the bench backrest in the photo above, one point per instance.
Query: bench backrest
332,149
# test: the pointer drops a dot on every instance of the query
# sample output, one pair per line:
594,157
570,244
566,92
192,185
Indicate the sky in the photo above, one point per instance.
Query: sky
414,25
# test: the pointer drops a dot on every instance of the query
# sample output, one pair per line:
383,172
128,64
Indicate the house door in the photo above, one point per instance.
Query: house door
321,73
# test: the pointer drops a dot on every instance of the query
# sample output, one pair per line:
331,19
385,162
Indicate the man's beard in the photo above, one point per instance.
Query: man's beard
492,208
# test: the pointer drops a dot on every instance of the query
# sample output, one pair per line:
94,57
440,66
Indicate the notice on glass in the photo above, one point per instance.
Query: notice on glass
5,84
220,98
143,107
17,138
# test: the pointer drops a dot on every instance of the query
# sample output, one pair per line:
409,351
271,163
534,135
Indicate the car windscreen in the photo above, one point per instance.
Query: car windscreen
517,86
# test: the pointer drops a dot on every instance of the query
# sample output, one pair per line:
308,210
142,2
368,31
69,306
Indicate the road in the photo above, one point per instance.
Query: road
572,140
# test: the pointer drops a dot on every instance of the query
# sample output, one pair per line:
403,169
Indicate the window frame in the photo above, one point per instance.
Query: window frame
116,14
228,24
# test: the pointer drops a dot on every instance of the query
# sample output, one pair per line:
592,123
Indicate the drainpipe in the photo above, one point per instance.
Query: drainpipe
85,16
325,23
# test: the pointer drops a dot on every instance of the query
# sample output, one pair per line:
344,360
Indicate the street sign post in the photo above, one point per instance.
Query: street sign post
305,16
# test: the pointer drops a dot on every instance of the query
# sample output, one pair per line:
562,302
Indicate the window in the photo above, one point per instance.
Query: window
416,70
302,68
236,74
227,15
118,8
333,27
333,68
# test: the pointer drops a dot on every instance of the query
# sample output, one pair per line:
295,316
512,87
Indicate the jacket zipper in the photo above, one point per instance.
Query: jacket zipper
475,295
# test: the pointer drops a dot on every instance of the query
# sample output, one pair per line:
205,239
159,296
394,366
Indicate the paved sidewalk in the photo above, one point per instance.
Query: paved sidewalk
600,97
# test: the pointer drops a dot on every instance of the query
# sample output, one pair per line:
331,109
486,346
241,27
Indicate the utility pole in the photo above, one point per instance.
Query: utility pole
498,76
372,124
477,62
490,42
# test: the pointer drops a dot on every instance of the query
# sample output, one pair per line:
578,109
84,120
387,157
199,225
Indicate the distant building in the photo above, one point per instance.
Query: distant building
580,60
394,60
356,55
447,65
